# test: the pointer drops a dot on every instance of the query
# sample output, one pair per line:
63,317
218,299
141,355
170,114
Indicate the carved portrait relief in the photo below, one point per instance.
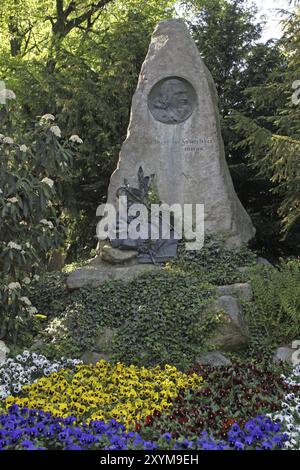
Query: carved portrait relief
172,100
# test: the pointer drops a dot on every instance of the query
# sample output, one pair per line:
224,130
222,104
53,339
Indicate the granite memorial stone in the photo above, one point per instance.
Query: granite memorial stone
174,133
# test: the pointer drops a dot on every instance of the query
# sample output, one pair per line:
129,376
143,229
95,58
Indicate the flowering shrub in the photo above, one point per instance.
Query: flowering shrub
289,415
231,395
25,368
26,429
34,170
106,391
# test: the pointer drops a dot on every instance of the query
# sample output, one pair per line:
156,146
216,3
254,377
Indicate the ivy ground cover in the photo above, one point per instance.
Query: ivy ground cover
68,405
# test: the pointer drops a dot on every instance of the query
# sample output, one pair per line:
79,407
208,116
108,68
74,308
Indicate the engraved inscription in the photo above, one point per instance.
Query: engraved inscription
172,100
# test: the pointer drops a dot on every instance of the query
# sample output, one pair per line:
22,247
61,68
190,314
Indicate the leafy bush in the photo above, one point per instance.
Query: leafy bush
214,263
274,317
34,172
157,318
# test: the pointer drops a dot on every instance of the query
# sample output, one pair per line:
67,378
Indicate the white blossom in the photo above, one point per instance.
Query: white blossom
13,200
76,139
48,117
56,131
1,137
32,310
25,300
23,148
48,181
14,285
26,280
14,246
8,140
36,277
7,94
47,222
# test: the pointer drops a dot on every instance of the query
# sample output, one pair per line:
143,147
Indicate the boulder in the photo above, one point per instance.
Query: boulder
116,256
242,290
232,334
104,341
175,134
92,357
283,354
214,359
4,350
96,273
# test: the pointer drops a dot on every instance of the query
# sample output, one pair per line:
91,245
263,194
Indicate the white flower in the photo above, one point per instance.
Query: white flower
13,200
7,94
1,137
48,181
14,246
76,139
47,222
28,245
32,310
36,277
1,192
8,140
14,285
48,117
26,280
56,131
25,300
23,148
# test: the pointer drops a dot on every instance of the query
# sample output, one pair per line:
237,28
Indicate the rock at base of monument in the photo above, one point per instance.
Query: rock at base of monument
104,340
264,262
91,357
4,350
98,272
213,359
232,334
241,290
116,256
283,354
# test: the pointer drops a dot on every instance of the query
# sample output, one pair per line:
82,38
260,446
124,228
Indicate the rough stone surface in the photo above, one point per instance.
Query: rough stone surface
241,290
232,334
57,261
91,357
264,261
98,272
231,307
186,154
4,350
284,354
116,256
104,341
214,358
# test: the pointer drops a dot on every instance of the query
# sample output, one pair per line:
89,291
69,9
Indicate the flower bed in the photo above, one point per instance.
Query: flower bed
25,429
25,368
107,391
68,405
232,394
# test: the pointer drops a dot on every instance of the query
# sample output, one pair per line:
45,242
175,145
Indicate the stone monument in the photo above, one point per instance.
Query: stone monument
174,133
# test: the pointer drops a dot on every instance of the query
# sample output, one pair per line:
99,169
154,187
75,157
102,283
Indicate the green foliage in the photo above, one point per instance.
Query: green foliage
271,135
156,318
80,61
214,263
34,172
274,317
